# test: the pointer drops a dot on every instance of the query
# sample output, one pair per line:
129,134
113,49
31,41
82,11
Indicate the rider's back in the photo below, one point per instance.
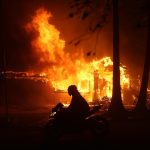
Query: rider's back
78,106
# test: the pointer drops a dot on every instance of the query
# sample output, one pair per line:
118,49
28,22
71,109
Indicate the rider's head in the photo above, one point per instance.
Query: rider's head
72,90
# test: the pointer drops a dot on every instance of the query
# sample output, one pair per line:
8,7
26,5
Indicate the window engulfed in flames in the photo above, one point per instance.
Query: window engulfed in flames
64,68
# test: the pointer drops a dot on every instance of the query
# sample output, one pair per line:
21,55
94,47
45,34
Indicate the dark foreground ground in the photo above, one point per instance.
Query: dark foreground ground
26,131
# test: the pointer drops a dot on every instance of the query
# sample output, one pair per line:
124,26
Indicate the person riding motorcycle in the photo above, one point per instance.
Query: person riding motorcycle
77,111
76,118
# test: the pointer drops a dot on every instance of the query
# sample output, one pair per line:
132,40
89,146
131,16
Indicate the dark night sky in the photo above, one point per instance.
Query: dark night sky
17,42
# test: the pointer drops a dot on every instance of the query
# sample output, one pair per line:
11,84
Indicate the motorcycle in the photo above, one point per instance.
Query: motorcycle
94,123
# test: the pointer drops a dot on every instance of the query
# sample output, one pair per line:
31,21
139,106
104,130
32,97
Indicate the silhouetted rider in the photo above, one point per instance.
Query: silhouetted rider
78,106
77,110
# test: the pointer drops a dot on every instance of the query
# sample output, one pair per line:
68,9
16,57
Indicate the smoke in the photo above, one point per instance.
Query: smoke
16,41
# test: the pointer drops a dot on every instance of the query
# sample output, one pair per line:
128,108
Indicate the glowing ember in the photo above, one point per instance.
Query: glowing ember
63,69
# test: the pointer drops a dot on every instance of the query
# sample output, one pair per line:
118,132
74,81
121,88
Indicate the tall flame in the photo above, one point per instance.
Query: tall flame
63,68
48,43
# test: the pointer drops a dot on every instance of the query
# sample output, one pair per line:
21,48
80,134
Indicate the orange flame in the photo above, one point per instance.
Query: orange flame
63,68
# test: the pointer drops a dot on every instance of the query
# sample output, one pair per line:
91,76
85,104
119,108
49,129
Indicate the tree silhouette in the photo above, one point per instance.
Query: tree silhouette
116,107
141,108
97,11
